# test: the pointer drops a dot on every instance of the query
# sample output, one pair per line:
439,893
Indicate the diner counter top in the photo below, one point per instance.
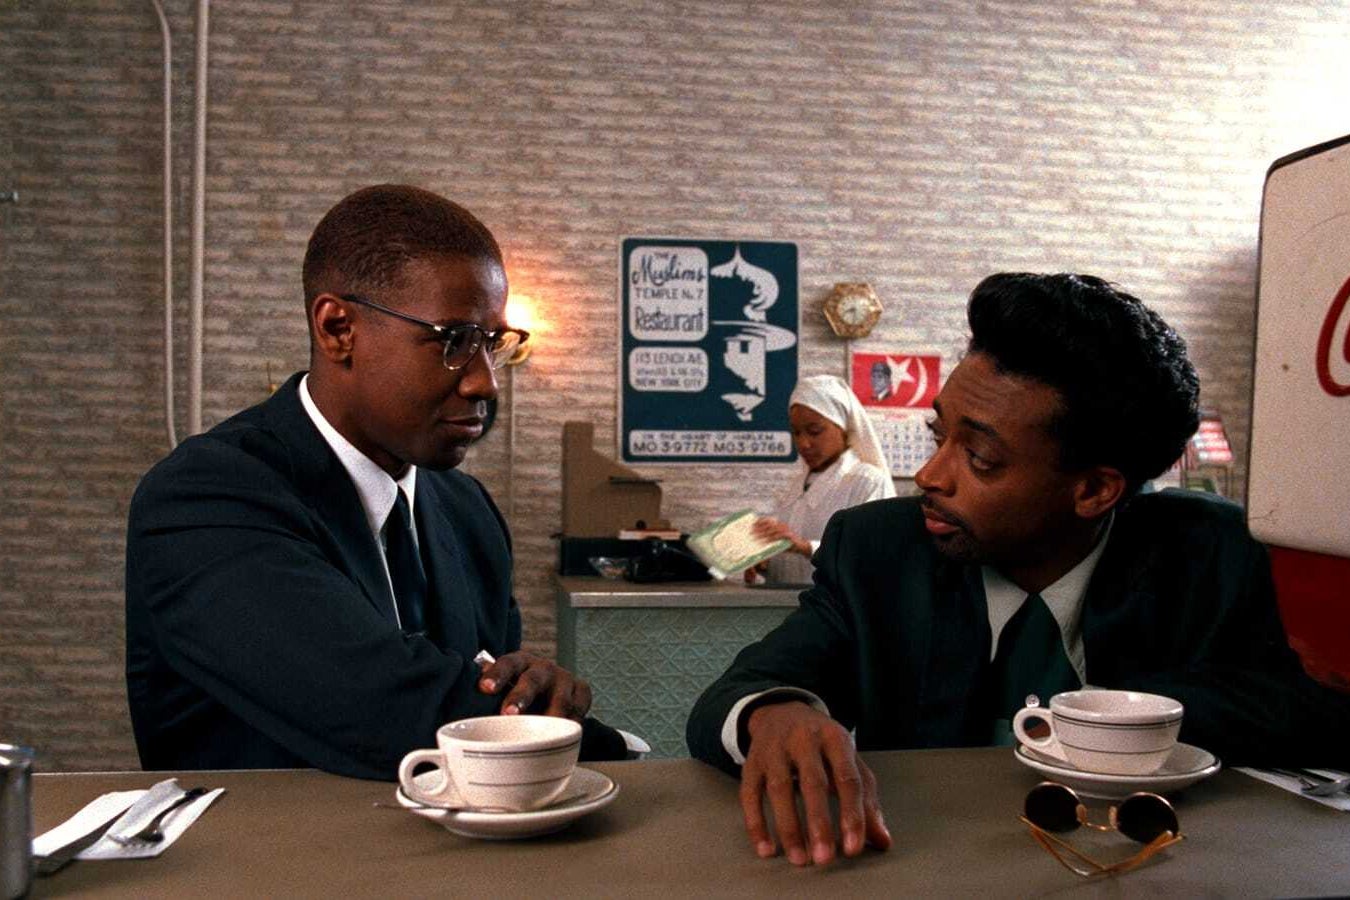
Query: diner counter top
594,591
675,830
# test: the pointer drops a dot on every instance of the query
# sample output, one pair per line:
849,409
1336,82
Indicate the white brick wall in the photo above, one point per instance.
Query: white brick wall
918,146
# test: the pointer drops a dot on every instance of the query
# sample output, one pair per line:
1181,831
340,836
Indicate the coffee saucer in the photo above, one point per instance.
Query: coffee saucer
1184,767
586,791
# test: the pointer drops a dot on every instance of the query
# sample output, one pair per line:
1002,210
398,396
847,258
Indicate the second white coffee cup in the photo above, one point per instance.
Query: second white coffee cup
1106,731
513,763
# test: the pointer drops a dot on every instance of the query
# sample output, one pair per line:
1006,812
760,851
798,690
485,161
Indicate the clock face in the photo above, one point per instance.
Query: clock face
852,309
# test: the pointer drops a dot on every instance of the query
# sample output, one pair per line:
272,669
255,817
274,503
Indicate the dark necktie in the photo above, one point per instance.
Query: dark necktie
405,565
1030,660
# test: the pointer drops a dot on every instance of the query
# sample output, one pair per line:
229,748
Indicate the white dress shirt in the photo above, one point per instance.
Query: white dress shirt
374,486
1003,598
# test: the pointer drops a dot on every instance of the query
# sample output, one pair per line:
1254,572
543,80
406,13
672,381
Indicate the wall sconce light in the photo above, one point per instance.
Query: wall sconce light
520,314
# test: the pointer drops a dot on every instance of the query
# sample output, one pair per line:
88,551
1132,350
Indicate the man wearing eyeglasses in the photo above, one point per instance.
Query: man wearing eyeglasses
1034,562
310,582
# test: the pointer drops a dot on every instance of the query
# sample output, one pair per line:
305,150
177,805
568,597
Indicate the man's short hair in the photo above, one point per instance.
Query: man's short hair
363,243
1129,395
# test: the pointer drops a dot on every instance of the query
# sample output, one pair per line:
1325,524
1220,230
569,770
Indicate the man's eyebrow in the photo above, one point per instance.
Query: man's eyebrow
982,427
973,424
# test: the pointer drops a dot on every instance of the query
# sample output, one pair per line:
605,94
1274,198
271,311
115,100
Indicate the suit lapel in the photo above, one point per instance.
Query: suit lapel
1122,585
950,696
324,482
442,554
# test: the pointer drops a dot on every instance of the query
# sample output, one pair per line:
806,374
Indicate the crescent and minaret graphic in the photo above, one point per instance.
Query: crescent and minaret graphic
745,349
762,281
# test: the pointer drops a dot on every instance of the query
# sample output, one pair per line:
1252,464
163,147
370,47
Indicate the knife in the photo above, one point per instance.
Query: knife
127,821
61,857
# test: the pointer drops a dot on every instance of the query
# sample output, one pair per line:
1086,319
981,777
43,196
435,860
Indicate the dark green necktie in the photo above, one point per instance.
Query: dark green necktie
405,565
1030,660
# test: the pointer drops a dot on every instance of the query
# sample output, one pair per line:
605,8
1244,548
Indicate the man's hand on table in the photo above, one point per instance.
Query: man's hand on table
533,684
795,748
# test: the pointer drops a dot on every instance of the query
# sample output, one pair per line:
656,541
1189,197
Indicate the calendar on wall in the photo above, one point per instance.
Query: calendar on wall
898,390
905,440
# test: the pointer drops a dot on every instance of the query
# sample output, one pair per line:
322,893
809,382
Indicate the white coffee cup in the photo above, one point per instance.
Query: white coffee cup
513,763
1106,731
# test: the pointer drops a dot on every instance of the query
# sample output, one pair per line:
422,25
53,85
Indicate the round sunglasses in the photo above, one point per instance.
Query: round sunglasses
1145,818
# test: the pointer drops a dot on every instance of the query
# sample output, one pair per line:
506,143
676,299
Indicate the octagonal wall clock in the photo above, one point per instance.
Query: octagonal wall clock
852,308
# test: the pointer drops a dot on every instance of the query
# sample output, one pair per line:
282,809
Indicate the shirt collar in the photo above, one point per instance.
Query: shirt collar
374,486
1064,598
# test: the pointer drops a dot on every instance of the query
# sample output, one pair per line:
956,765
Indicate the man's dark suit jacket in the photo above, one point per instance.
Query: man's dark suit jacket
260,625
895,638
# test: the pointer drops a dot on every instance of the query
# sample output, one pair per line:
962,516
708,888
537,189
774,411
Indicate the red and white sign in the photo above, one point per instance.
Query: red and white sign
1209,445
1298,494
896,379
898,390
1333,342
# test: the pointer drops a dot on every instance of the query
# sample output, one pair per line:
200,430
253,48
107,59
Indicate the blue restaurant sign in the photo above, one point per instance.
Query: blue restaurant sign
708,356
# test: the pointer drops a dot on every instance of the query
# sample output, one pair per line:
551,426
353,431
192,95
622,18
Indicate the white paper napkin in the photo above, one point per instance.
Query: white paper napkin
1339,801
115,803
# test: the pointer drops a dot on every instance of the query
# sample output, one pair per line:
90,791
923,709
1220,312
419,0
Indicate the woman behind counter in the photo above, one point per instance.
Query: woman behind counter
844,466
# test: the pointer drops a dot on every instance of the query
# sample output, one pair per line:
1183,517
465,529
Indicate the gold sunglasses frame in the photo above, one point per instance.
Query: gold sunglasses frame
1053,845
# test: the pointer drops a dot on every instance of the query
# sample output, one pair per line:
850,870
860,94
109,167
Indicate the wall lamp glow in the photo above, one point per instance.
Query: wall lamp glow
520,313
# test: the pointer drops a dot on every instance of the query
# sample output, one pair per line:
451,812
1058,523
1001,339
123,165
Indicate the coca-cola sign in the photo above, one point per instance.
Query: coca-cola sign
1326,339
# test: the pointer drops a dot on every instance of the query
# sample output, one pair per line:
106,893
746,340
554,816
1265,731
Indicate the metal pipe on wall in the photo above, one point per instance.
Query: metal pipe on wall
168,225
510,444
194,424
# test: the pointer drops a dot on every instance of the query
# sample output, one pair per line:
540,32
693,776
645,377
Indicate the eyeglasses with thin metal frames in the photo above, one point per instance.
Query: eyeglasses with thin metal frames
460,343
1165,836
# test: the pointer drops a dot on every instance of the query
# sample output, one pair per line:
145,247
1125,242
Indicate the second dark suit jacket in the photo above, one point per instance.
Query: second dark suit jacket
260,625
895,638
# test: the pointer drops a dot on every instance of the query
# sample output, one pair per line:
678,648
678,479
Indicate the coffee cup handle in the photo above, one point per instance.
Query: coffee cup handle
1049,745
444,794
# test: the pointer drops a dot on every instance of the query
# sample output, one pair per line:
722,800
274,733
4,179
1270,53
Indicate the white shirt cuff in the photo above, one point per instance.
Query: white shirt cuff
731,727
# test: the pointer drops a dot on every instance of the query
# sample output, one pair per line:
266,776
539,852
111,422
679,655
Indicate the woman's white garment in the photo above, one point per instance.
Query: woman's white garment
848,482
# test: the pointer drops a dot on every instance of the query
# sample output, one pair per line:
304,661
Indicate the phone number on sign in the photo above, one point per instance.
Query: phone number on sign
710,443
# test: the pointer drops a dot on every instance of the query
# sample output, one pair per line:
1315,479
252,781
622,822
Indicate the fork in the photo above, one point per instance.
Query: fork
153,831
1302,779
1328,788
1315,785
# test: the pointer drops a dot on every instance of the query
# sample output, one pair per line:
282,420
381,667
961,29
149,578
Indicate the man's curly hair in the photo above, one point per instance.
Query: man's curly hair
1129,394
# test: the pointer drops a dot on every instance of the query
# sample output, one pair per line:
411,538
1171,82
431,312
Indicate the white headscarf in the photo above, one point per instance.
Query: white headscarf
831,397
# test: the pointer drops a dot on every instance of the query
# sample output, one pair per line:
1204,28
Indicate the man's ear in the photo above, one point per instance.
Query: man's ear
331,328
1098,489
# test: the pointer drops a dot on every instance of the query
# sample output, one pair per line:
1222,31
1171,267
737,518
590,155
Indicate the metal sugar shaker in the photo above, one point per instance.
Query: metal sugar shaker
16,821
